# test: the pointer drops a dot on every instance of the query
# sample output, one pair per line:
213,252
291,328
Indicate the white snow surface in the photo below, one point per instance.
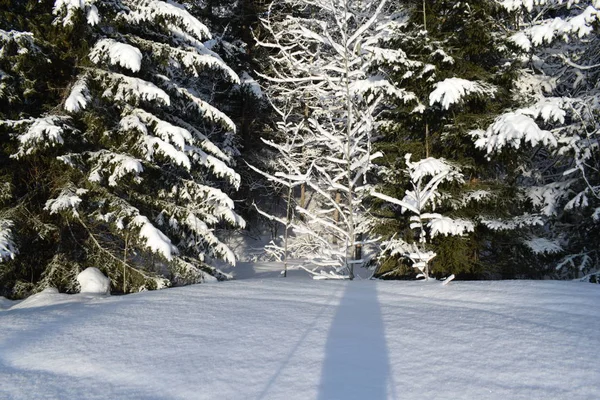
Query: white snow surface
92,280
295,338
431,167
67,199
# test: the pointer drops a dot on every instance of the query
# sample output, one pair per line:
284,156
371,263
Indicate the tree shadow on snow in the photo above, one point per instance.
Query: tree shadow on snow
356,364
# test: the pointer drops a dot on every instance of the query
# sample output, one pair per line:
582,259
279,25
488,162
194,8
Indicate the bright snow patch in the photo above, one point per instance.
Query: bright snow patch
42,132
510,130
295,338
92,280
65,201
514,223
441,225
452,90
155,239
79,96
429,167
158,11
67,10
130,89
125,55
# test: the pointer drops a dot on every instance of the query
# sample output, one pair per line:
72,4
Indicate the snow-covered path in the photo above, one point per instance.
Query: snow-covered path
295,338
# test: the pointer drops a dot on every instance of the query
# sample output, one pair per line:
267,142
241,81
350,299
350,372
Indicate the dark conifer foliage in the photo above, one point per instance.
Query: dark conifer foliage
119,159
451,43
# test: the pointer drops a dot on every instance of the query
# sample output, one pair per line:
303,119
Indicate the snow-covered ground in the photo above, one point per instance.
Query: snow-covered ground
267,337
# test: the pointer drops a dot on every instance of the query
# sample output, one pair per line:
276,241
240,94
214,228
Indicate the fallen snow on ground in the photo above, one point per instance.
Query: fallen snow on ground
268,337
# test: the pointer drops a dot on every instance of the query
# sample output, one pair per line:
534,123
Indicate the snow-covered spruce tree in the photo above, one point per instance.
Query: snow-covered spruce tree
426,176
554,133
33,65
330,56
233,24
143,154
460,75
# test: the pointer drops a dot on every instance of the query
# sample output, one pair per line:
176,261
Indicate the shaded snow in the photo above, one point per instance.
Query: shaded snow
295,338
8,250
543,246
5,303
251,83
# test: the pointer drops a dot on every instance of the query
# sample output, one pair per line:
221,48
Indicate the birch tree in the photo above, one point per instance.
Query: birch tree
331,56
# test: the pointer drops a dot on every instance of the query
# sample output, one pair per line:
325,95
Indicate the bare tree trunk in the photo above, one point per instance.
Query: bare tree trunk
303,195
125,262
424,16
426,140
358,247
349,122
336,215
287,229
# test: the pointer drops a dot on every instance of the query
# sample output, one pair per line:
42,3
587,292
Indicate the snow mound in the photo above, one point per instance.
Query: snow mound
93,281
47,297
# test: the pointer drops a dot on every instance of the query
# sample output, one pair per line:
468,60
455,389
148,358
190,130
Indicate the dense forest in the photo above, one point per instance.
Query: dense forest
416,138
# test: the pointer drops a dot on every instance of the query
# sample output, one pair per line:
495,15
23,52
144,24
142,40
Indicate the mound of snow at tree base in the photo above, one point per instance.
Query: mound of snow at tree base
304,339
92,280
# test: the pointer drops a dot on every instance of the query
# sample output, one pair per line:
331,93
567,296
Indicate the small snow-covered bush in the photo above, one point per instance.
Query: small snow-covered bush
592,278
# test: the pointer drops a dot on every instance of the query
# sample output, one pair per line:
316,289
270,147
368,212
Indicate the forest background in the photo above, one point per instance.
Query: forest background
415,138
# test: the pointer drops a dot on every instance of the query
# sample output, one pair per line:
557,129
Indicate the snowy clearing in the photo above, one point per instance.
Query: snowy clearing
273,338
